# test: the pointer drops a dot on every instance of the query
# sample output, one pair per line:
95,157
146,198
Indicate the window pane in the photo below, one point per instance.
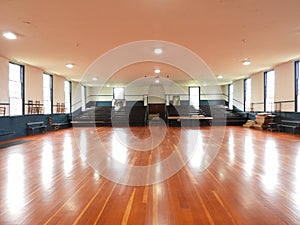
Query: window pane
47,87
67,96
14,72
15,106
119,93
194,96
248,95
230,103
46,81
270,90
298,85
15,89
83,101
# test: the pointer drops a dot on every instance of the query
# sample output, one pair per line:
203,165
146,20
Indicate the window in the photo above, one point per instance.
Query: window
269,90
194,96
16,89
83,98
119,93
67,96
297,85
230,96
247,95
47,93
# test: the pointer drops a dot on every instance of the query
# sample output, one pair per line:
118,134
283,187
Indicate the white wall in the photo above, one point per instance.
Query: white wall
224,89
33,84
33,89
4,97
99,93
257,91
214,92
76,96
284,88
285,85
238,94
156,92
58,89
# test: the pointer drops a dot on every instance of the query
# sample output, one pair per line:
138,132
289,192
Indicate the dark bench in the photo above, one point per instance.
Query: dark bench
294,125
191,118
36,126
4,133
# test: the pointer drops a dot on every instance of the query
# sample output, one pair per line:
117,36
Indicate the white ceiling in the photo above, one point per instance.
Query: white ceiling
221,32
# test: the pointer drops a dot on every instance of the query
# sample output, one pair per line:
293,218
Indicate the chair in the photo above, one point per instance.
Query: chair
2,111
62,107
30,107
38,107
58,107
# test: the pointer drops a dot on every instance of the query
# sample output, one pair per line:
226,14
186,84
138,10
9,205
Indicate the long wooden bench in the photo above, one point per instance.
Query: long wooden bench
32,126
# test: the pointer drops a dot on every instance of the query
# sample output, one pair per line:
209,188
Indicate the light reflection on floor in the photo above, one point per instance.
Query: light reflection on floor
271,165
15,183
47,165
249,156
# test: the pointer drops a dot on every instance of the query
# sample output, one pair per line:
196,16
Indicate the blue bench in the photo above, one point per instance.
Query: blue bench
36,126
292,124
4,133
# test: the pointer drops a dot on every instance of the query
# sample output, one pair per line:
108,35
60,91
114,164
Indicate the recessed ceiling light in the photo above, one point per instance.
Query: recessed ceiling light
94,78
156,80
220,77
107,85
69,65
158,51
157,71
9,35
246,62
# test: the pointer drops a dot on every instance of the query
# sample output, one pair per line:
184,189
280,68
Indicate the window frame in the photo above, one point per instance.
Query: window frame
297,86
83,97
230,97
199,92
68,106
266,90
22,86
50,92
246,89
114,94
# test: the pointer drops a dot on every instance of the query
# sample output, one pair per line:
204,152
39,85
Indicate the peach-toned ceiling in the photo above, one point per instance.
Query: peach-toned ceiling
221,32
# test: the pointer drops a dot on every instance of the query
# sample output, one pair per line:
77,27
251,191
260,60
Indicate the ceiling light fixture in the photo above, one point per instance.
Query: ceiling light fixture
94,78
9,35
246,62
220,77
158,51
157,71
70,65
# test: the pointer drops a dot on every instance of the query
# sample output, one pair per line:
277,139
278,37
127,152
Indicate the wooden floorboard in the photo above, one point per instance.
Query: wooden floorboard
254,179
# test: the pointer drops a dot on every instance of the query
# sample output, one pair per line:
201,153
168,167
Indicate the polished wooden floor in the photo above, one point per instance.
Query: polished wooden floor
254,179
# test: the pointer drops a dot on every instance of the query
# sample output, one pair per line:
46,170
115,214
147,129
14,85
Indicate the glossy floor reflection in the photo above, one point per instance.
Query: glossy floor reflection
254,178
